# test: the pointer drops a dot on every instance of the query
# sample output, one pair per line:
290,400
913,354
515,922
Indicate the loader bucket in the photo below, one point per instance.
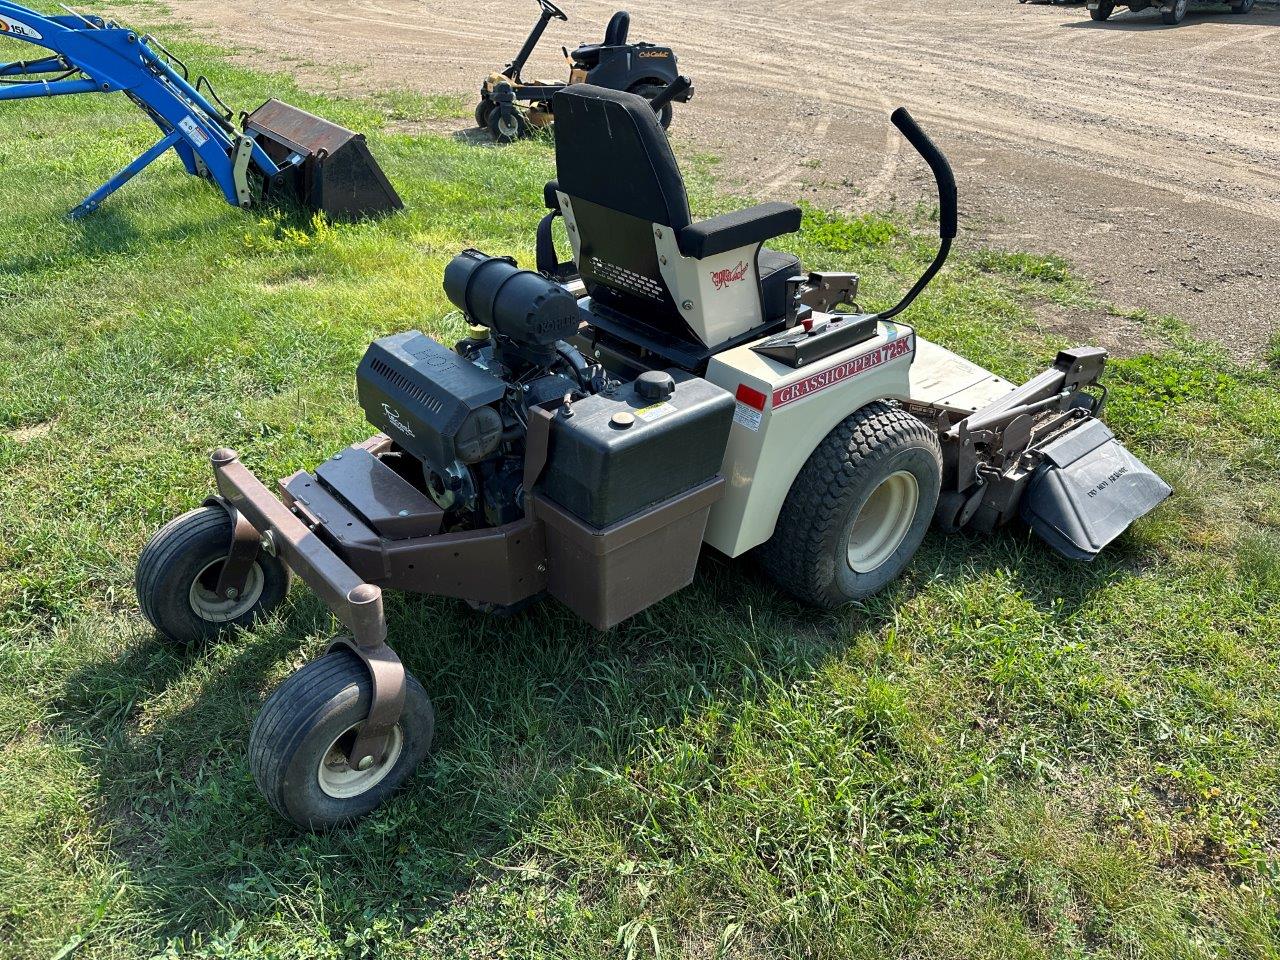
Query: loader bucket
337,175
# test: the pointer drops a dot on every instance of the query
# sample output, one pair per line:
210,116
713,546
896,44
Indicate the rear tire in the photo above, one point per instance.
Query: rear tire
1105,9
858,510
649,91
178,570
1177,14
297,743
509,128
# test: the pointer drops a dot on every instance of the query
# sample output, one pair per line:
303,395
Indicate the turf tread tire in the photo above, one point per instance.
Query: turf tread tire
799,555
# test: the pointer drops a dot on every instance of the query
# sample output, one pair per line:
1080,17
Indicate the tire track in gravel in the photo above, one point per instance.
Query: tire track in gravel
1147,155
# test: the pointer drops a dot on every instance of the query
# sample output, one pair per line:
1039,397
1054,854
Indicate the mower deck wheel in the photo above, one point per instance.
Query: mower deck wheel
1242,6
507,128
178,571
649,91
1177,14
1104,11
299,742
859,508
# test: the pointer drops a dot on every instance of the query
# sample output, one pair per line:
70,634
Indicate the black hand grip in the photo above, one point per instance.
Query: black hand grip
948,197
676,87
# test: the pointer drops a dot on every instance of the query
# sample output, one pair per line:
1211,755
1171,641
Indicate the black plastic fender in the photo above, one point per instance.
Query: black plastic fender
1088,490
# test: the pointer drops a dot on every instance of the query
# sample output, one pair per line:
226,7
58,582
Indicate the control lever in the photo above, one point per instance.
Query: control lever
676,87
821,292
948,204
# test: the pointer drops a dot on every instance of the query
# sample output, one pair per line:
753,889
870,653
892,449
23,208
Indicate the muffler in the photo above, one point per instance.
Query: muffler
1087,490
324,167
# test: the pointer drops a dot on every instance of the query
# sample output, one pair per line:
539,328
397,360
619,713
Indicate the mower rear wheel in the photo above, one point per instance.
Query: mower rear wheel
507,128
1104,11
859,508
298,745
649,91
483,109
1177,14
178,572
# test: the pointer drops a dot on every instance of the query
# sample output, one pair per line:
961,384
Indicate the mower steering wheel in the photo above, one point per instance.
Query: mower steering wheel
552,9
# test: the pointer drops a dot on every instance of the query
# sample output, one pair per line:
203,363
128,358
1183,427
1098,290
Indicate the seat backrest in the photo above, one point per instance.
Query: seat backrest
615,34
615,164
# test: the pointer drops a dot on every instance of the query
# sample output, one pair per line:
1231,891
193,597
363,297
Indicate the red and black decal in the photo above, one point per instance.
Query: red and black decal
831,376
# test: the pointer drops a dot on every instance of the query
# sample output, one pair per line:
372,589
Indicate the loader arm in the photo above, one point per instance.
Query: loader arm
89,54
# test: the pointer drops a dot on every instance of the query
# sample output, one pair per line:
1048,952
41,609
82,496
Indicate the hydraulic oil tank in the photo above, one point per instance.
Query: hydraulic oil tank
614,454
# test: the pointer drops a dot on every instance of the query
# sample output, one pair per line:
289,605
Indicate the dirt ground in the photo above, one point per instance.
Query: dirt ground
1149,156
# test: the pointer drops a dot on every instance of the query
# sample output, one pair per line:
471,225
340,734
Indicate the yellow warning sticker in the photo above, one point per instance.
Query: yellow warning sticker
655,411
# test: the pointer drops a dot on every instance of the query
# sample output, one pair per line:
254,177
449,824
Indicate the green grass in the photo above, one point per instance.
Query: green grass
1005,755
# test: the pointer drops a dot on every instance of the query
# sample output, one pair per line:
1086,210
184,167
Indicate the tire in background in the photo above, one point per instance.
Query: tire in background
649,91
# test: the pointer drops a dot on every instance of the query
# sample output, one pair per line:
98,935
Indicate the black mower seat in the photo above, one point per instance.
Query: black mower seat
615,163
774,266
615,35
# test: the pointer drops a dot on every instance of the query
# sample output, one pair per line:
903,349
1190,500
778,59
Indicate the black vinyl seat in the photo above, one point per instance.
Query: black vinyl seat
615,35
635,234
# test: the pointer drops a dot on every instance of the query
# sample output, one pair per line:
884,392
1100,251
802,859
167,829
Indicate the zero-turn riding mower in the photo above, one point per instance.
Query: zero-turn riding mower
511,107
279,153
688,385
1171,11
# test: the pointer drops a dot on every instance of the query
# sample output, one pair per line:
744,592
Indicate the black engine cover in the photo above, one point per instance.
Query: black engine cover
432,402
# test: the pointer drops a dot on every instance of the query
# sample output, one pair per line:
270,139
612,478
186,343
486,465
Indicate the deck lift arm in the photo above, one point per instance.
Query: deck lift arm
281,151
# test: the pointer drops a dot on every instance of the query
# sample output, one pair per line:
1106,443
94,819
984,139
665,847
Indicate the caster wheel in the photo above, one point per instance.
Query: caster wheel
178,573
649,91
858,510
297,748
1104,11
507,128
483,109
1242,6
1177,14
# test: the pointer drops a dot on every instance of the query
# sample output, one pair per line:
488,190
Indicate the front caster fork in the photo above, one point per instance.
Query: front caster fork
358,605
368,642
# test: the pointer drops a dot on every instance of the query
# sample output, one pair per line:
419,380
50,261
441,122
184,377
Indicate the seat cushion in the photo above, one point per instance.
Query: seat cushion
588,55
775,269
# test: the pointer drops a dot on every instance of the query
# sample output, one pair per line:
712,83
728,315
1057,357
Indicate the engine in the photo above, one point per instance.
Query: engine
464,412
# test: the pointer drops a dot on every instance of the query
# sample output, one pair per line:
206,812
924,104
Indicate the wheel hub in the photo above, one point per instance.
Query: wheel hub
342,781
215,609
883,522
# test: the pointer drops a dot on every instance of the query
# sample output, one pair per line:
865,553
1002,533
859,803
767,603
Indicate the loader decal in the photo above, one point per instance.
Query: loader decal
831,376
19,29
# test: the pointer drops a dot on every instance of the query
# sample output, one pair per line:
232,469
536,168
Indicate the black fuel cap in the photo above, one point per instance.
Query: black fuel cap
655,385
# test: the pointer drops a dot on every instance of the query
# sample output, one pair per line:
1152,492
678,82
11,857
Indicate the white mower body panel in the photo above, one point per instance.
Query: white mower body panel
783,414
943,378
719,295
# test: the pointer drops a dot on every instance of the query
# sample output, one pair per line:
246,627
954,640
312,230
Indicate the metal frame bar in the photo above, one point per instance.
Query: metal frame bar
356,604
